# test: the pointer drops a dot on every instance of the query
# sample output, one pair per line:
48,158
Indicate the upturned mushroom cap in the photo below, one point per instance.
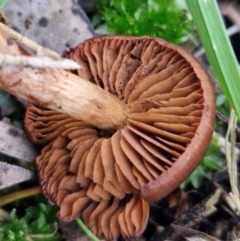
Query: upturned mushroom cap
170,121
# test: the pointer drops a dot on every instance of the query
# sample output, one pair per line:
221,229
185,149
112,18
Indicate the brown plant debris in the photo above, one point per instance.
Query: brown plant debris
193,235
191,218
107,176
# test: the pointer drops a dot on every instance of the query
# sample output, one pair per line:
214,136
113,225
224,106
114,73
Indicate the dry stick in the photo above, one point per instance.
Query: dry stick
222,143
225,120
231,158
7,60
61,91
29,44
190,218
46,57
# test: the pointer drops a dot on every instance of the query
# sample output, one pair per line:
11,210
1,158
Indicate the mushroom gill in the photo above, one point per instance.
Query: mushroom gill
97,174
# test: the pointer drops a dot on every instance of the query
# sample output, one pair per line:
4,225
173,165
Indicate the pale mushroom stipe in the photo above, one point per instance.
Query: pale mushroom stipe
107,176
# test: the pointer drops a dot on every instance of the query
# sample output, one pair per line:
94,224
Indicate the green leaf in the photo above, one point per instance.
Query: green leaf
221,99
38,223
13,215
222,104
211,30
211,162
196,178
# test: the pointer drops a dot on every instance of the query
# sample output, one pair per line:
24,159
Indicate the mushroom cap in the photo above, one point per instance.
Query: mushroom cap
169,127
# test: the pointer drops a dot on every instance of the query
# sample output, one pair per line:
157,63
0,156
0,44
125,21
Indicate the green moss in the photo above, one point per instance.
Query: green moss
38,223
154,18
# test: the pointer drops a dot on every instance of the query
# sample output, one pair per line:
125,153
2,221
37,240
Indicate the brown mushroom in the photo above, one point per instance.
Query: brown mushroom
101,173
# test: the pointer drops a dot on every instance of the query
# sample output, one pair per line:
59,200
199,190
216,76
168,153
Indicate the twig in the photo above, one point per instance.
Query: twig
190,234
190,218
232,159
222,142
7,60
29,44
225,120
46,58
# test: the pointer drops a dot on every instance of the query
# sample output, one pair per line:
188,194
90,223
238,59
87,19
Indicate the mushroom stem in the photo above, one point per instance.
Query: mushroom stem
61,91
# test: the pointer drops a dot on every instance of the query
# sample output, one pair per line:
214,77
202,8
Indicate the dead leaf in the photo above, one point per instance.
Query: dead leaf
14,143
11,174
193,235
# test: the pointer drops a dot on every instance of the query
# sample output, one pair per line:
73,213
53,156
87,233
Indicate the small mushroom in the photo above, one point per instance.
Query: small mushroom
107,176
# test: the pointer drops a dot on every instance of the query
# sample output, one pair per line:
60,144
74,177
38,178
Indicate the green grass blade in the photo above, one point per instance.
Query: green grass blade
2,3
86,230
211,30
